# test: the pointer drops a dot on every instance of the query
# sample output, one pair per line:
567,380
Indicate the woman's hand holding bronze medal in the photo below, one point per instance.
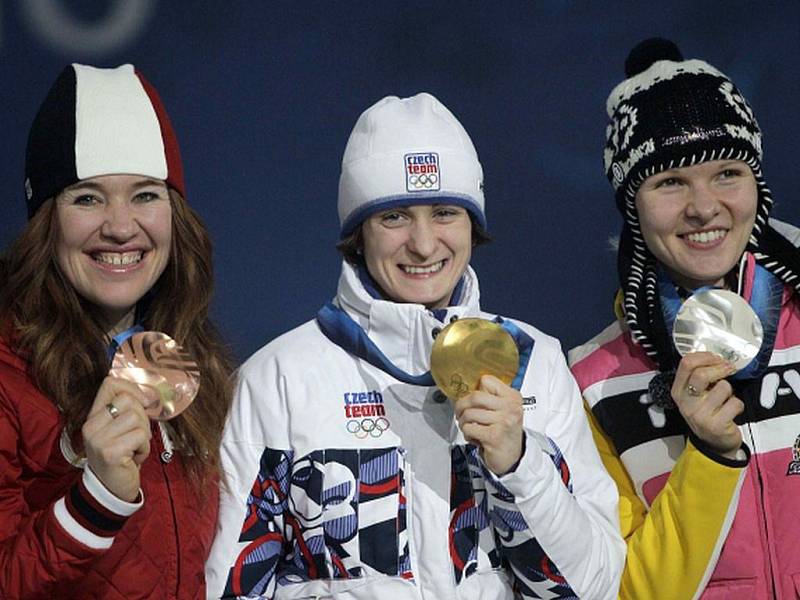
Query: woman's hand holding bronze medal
116,437
473,362
718,334
151,377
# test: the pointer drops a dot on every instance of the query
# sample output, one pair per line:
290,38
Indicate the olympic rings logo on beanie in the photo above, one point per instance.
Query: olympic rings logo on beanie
99,122
423,183
422,172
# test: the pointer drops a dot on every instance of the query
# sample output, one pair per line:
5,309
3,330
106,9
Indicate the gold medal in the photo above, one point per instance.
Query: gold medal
168,376
468,349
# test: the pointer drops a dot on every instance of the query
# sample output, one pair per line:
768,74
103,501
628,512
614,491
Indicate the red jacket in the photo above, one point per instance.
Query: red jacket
62,535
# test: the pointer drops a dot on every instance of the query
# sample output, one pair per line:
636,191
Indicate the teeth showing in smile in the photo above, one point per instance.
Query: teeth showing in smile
412,270
706,236
118,258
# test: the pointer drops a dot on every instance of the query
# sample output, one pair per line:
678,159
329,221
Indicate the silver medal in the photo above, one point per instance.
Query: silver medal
721,322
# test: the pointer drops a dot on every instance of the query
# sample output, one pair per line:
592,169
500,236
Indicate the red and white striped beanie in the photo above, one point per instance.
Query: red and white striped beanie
99,122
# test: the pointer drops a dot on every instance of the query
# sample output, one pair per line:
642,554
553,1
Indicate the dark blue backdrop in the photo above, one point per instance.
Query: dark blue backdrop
263,96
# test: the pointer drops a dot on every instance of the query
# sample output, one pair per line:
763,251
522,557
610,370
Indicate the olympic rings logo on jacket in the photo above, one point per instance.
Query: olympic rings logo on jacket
368,427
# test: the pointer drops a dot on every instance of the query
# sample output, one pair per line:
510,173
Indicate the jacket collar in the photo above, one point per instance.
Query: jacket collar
403,332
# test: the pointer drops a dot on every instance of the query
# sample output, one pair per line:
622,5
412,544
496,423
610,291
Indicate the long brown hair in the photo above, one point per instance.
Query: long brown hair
61,335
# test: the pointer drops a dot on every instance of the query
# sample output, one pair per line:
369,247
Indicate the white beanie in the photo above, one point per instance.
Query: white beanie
406,151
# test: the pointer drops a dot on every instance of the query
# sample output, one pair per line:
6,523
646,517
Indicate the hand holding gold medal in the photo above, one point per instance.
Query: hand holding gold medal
474,361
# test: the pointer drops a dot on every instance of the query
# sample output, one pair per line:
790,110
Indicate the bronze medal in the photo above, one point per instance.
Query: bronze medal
168,376
468,349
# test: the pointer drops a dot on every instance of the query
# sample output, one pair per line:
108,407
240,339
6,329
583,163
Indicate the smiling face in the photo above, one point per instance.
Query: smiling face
114,238
417,254
697,220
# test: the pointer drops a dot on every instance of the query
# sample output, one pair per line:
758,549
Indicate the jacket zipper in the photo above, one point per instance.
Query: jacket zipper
763,511
166,456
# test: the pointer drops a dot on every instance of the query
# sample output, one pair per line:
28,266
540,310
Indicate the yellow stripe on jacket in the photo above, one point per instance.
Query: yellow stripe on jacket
673,548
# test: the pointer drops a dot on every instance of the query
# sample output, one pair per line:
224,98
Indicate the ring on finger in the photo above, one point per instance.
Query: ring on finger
693,391
112,410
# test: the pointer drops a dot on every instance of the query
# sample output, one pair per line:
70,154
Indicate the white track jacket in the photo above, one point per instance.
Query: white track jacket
346,482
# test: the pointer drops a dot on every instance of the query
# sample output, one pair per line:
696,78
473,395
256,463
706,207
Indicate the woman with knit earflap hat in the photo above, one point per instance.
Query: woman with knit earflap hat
97,501
351,475
702,452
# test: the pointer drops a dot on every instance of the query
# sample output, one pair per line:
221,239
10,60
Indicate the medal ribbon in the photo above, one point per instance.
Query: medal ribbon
524,344
765,300
343,331
120,338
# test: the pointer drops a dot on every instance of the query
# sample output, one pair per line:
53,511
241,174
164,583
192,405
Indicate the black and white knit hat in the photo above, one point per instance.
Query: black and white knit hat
99,122
405,151
671,113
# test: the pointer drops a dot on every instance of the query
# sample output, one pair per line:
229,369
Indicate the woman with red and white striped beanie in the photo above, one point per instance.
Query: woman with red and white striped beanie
95,499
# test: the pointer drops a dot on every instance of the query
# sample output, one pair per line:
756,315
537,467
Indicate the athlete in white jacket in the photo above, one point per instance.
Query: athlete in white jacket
349,474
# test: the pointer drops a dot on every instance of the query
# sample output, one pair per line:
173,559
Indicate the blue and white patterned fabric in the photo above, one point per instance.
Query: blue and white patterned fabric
346,482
